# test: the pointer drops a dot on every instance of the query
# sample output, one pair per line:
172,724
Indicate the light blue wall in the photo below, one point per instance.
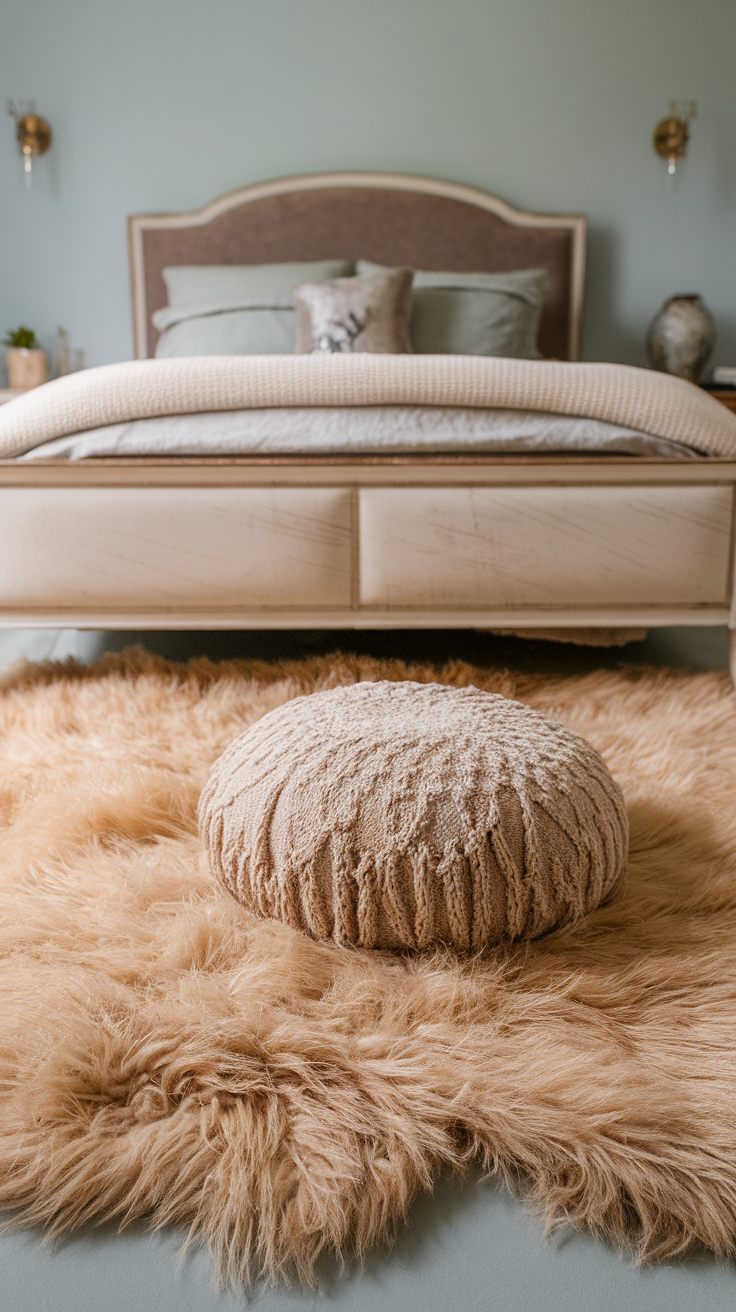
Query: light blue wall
164,104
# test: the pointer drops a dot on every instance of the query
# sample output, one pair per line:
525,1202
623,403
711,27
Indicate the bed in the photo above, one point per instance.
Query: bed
367,538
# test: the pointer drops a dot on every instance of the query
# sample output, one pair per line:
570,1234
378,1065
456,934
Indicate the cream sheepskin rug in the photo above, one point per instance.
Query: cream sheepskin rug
163,1055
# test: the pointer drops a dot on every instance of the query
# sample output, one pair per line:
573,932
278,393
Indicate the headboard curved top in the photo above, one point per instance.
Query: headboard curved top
389,218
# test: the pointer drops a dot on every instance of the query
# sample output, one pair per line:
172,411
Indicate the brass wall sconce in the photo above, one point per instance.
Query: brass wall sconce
673,133
33,135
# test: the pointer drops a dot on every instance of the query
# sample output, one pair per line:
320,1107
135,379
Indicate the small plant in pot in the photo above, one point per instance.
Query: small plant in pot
25,359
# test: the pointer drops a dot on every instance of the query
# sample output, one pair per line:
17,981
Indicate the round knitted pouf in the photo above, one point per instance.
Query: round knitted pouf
404,815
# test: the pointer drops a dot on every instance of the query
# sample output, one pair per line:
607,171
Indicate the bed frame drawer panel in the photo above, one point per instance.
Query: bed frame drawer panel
174,547
551,546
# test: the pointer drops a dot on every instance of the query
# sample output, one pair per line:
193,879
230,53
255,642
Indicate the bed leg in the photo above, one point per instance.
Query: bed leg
732,654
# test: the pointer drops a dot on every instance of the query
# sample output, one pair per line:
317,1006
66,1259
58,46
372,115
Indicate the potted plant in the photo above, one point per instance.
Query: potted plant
26,361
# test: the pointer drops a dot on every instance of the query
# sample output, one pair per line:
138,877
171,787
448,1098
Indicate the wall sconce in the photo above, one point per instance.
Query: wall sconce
672,134
33,135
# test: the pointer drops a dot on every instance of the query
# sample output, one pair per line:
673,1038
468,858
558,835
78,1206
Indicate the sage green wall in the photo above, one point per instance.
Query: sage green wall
164,104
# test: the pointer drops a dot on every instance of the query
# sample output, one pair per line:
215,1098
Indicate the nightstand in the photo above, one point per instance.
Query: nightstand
727,397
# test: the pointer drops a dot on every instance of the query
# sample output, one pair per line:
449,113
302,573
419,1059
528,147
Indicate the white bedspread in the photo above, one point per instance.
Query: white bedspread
362,430
636,399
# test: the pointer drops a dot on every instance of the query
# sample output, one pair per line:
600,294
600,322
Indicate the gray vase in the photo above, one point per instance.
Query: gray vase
681,337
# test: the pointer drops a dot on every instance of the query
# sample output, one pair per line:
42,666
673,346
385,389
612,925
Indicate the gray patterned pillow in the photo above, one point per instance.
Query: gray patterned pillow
355,314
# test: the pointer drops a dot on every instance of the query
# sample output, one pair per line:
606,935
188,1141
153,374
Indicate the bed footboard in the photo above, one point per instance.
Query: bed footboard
382,542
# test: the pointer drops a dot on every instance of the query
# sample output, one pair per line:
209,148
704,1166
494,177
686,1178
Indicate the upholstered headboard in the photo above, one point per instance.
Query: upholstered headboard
389,218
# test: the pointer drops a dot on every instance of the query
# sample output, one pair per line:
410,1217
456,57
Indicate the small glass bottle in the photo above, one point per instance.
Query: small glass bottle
62,352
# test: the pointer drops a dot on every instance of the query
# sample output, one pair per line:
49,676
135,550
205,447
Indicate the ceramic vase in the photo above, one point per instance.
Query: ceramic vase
681,337
26,367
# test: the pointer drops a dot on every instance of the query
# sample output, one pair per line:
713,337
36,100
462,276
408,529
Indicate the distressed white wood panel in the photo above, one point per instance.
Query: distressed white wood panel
174,548
482,547
526,617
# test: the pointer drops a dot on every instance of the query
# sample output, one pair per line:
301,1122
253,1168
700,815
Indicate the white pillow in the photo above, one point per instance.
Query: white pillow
232,328
235,309
268,284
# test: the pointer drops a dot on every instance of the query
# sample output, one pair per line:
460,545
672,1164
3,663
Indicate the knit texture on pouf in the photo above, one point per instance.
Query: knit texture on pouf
404,815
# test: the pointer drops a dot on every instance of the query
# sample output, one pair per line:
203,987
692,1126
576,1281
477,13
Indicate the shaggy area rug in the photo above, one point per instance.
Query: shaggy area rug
163,1055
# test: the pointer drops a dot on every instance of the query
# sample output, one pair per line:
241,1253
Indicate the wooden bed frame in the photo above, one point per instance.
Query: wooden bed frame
330,542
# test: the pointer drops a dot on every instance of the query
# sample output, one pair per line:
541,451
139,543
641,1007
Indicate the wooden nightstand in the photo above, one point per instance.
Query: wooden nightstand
726,397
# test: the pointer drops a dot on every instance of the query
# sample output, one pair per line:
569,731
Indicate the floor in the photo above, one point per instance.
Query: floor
467,1248
692,648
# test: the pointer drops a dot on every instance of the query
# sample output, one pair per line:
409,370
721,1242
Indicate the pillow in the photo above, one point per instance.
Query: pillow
232,328
475,313
235,309
408,815
264,284
355,314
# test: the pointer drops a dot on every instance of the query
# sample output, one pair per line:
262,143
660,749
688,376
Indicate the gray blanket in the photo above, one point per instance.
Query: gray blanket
359,430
